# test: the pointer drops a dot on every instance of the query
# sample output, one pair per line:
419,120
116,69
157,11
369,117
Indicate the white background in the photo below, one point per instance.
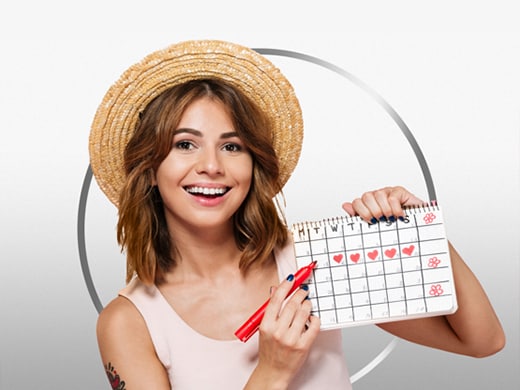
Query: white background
450,69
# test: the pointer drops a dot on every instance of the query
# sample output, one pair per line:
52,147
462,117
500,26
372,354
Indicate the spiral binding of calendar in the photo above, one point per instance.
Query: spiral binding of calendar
342,219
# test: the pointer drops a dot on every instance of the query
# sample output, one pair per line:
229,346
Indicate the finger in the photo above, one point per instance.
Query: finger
369,208
396,205
362,210
349,209
301,317
291,308
278,296
312,329
381,197
293,320
383,204
405,197
272,289
399,197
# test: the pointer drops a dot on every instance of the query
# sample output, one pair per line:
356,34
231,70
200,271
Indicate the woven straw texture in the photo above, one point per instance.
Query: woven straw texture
253,74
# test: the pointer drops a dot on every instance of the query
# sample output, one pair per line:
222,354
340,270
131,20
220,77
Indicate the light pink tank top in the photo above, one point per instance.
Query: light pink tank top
194,361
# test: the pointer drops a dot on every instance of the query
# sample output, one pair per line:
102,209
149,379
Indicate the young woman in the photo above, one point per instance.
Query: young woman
192,145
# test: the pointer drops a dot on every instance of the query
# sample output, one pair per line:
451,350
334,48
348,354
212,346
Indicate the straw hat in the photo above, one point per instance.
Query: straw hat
247,70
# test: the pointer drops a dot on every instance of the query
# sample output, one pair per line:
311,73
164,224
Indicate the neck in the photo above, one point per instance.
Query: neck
206,252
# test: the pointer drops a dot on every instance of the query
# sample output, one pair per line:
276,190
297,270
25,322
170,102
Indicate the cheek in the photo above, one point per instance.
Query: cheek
167,171
245,171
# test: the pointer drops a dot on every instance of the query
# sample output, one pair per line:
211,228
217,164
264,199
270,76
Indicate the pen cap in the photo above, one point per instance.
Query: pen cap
244,333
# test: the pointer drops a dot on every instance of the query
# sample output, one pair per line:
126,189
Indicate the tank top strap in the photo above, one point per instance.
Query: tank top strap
152,306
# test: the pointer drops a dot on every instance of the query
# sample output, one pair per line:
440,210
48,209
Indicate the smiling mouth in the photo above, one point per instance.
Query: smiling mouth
207,191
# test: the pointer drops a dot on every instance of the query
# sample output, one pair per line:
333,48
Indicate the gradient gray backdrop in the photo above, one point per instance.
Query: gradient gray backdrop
450,73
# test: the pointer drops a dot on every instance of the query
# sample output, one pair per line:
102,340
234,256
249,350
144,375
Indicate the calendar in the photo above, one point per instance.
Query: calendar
372,273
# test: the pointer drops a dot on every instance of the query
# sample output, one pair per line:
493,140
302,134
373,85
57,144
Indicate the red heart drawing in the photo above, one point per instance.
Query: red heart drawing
338,258
354,257
373,254
390,253
408,251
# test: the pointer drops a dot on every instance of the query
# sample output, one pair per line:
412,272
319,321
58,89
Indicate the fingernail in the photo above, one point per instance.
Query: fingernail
382,218
304,287
373,220
391,218
290,277
401,219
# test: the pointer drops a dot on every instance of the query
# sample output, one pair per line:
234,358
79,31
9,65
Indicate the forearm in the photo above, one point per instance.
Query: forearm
475,323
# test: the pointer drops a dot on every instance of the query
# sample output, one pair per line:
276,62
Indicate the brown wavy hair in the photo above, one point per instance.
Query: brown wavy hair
142,232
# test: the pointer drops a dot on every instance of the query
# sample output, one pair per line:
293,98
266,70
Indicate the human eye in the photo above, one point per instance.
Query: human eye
184,145
232,147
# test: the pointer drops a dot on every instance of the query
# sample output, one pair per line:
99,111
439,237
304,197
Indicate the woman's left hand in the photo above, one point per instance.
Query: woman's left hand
382,204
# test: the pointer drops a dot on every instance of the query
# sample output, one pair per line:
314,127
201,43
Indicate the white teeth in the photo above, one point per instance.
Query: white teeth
206,190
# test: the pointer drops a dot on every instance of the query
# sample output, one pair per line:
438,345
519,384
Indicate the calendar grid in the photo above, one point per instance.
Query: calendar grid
384,273
399,243
347,270
368,301
334,296
420,257
369,273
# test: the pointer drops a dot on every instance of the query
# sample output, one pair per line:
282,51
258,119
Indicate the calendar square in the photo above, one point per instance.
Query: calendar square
379,296
343,300
326,303
375,268
397,309
360,299
341,286
416,306
380,311
358,285
394,280
362,313
376,283
345,315
396,294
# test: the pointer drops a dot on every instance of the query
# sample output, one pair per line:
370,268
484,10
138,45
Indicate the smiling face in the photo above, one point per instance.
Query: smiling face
200,162
207,174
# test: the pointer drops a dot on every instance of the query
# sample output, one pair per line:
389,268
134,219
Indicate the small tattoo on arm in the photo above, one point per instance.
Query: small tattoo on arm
113,378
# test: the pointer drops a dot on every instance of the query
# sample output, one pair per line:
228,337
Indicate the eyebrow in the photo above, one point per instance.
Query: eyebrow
198,133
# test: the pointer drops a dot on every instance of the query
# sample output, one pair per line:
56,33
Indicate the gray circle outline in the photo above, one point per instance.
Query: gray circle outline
314,60
82,247
372,93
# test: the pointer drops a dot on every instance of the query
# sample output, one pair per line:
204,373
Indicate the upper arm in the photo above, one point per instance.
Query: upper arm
127,350
433,332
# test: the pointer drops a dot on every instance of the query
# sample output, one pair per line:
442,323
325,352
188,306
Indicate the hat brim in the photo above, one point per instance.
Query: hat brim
253,74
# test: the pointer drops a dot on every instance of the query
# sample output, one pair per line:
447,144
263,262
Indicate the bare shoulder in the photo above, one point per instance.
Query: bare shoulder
126,348
120,316
121,326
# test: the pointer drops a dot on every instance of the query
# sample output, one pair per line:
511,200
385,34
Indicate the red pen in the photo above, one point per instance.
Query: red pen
251,325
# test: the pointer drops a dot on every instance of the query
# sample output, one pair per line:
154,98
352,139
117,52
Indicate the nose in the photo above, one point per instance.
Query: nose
209,162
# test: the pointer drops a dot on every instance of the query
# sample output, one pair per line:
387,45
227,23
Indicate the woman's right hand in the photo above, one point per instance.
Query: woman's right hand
287,332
